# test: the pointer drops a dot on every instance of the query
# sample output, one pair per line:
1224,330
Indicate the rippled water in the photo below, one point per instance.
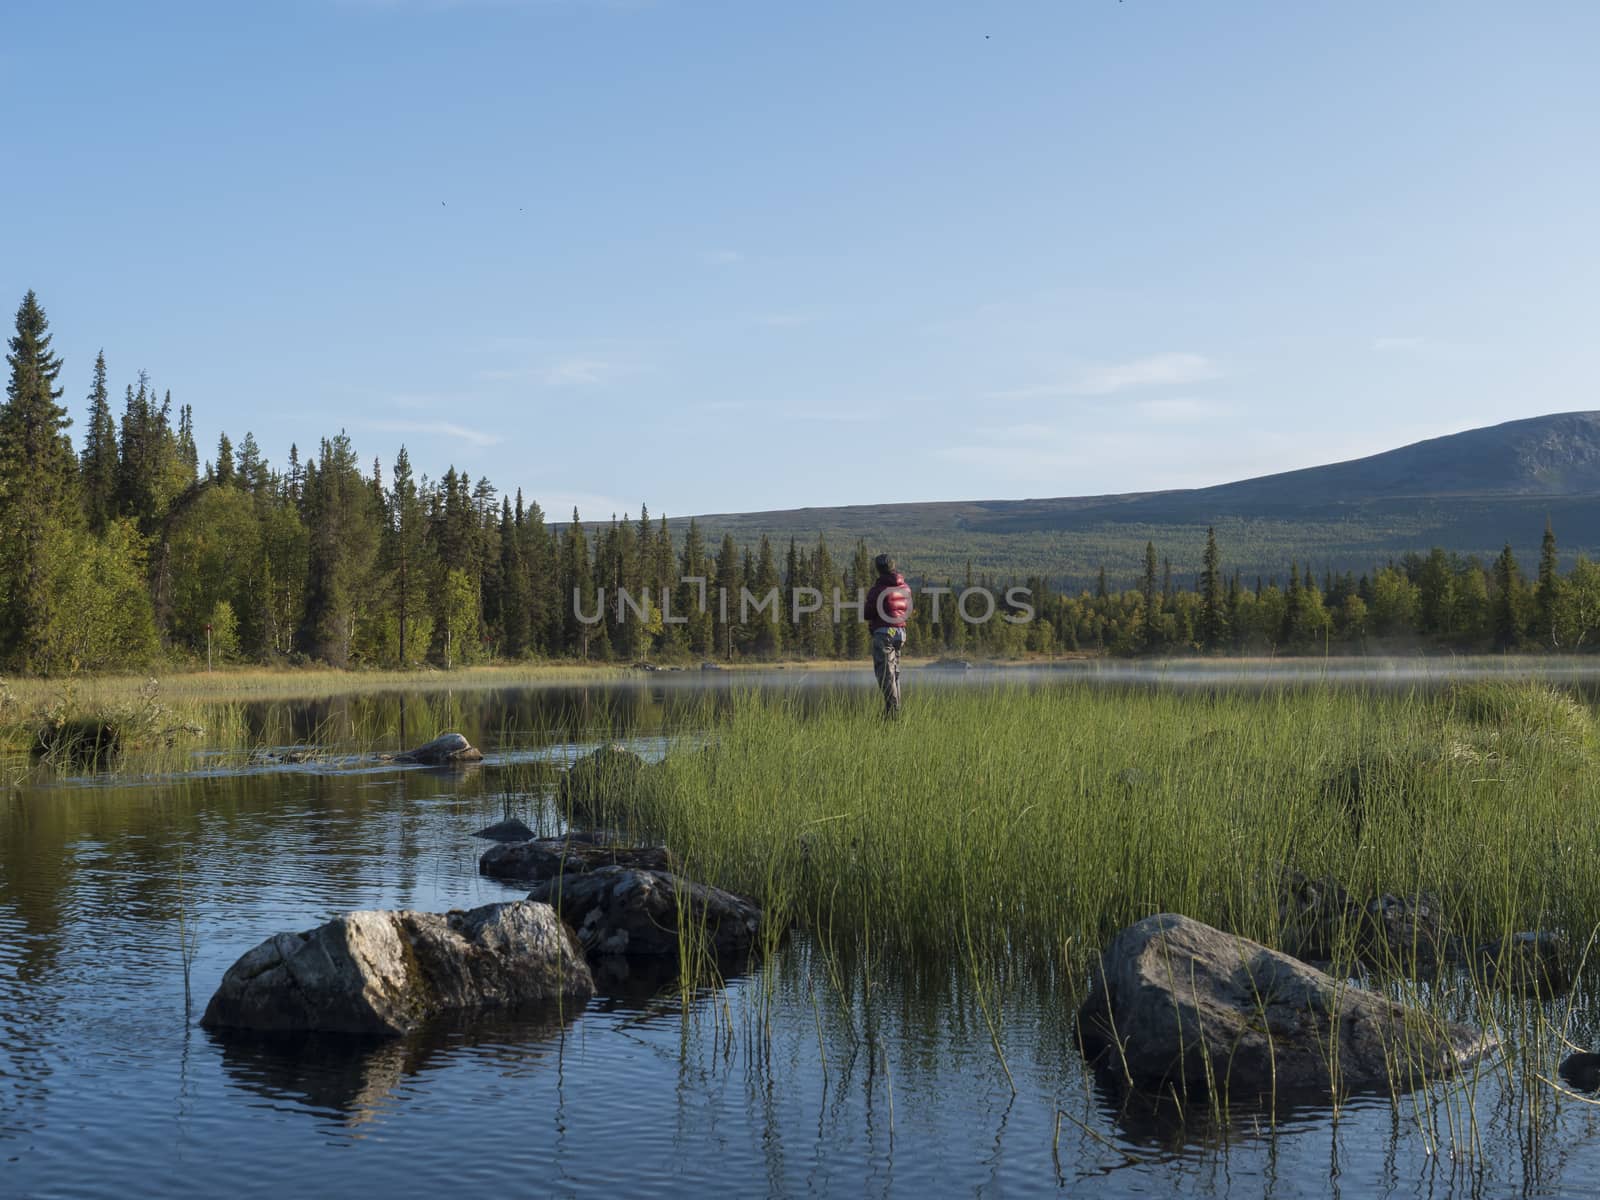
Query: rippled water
872,1078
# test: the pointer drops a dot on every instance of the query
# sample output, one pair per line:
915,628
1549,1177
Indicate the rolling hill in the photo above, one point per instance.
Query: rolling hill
1469,492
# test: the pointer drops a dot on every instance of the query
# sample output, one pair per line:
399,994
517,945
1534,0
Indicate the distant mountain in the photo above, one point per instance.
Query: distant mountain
1468,492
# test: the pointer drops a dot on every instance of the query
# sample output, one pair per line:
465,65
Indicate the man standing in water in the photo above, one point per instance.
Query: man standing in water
887,605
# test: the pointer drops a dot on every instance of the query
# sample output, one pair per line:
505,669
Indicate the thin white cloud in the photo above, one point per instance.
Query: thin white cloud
1106,379
723,258
583,372
574,371
1180,410
1026,432
449,429
1023,462
837,418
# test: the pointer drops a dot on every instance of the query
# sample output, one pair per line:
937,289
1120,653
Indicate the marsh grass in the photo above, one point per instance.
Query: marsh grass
1027,825
1004,834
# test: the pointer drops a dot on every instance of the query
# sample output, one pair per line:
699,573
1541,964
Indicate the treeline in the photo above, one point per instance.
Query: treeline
1438,600
132,551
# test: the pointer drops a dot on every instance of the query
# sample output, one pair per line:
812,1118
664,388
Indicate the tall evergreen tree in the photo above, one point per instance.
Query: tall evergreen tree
98,462
1147,589
513,606
223,472
344,530
405,554
1548,595
252,468
725,596
1213,617
577,590
39,502
1293,618
1507,600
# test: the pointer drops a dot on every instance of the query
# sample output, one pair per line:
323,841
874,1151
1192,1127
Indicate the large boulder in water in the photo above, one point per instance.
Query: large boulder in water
623,910
1177,1003
545,858
445,749
388,972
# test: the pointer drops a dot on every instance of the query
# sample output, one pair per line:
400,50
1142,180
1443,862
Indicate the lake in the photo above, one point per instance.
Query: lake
854,1076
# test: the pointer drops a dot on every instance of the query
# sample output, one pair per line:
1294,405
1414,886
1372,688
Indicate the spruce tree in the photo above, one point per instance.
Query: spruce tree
577,589
252,468
405,553
1147,589
1549,589
223,473
39,504
725,596
1213,619
1293,625
344,527
514,623
545,612
1507,601
98,462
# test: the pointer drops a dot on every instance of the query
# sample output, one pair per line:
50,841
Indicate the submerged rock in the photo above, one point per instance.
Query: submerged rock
537,860
1316,916
1319,919
1537,962
1582,1070
388,972
625,910
445,749
509,830
1407,931
610,773
1177,1003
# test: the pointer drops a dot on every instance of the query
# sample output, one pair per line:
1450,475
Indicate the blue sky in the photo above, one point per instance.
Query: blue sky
734,256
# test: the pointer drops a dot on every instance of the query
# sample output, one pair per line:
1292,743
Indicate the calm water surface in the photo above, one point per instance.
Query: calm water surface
867,1079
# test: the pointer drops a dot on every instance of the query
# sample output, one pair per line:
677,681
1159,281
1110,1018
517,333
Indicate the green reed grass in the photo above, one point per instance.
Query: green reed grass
993,840
1023,827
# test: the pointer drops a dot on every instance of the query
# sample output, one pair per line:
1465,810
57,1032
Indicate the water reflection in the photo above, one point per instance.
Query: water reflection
354,1080
827,1069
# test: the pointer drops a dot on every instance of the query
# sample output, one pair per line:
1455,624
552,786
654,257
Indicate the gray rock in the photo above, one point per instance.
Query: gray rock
1184,1005
445,749
545,858
1406,932
625,910
509,830
1582,1070
611,773
388,972
1536,962
1316,916
1320,920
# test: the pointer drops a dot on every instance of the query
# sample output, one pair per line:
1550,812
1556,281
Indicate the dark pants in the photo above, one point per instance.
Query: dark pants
886,647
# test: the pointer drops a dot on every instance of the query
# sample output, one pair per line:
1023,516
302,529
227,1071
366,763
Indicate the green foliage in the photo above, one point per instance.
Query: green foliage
461,619
1069,812
322,563
100,615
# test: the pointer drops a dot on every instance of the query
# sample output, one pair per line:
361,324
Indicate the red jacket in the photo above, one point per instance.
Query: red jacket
888,602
